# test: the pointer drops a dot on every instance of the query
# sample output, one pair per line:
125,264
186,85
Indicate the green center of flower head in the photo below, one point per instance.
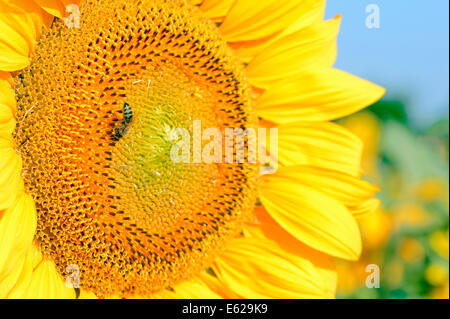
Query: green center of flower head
96,114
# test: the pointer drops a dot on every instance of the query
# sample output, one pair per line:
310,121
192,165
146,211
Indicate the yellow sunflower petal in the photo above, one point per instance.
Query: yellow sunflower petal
309,12
21,24
320,144
217,286
54,7
32,259
6,143
312,11
7,121
312,217
356,194
20,278
317,95
10,179
39,279
216,8
7,104
204,285
366,207
76,2
255,268
17,228
308,48
10,162
47,283
349,190
84,294
194,288
267,228
254,19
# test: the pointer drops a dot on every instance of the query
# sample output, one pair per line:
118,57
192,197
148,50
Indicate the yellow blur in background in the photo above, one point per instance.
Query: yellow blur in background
408,237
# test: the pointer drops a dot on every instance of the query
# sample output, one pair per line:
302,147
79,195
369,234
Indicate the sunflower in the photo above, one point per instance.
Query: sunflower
86,186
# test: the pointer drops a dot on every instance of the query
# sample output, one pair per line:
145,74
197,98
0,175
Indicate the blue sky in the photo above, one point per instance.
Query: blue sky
408,54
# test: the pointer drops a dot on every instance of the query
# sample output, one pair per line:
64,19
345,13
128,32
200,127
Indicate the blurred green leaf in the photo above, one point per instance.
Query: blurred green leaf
411,153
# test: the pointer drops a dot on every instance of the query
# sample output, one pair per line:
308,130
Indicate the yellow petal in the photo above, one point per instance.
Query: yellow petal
11,184
355,193
349,190
21,24
217,286
309,12
216,8
267,228
31,260
7,104
366,207
24,273
39,279
7,121
84,294
54,7
17,229
317,95
312,217
313,11
47,283
320,144
254,19
194,288
257,268
15,284
6,142
308,48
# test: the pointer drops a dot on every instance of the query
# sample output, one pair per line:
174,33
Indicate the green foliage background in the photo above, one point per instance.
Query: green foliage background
407,157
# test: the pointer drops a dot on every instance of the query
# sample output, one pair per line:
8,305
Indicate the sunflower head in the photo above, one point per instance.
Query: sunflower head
96,109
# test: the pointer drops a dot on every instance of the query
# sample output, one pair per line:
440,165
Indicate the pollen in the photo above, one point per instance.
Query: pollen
95,109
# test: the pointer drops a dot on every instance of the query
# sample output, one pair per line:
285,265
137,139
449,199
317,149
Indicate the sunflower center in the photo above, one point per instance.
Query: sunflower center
96,109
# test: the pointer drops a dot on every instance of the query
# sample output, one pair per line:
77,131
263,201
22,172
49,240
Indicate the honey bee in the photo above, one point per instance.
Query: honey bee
122,130
127,113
